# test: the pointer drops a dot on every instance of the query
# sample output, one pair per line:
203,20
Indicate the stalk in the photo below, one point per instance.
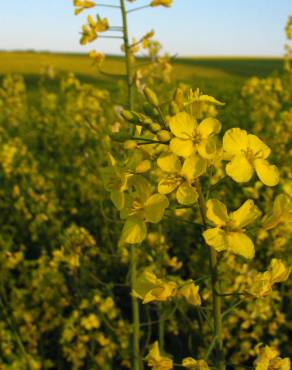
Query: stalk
133,253
216,299
135,312
127,55
161,329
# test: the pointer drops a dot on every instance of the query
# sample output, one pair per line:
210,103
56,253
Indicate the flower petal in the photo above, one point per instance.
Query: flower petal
207,148
118,199
217,212
267,173
240,243
258,147
235,140
186,194
246,214
154,208
169,162
168,185
193,167
209,126
182,125
134,231
182,147
239,169
216,238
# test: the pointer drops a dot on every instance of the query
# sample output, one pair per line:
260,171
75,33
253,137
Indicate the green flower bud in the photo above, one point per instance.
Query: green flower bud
173,108
154,127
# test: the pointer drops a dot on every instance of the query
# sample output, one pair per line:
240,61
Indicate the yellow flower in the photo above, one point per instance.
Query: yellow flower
141,206
156,361
82,4
115,181
191,137
278,271
229,231
192,364
98,58
248,154
190,292
282,212
166,3
90,322
181,177
268,359
151,289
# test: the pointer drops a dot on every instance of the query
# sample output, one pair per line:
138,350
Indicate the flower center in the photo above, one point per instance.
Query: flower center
196,137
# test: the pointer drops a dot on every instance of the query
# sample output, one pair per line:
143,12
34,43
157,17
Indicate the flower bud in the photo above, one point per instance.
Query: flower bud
151,97
154,127
164,136
130,145
173,108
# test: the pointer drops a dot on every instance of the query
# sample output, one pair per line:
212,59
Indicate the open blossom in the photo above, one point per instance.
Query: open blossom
268,359
141,206
192,364
281,213
150,288
247,153
191,137
82,5
190,291
229,233
156,361
181,177
166,3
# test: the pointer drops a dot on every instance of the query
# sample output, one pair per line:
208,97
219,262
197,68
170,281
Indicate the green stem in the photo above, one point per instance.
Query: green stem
127,55
216,299
161,328
135,312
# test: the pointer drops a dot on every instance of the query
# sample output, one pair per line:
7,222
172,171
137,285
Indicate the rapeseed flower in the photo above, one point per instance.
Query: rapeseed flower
191,137
229,233
156,361
247,153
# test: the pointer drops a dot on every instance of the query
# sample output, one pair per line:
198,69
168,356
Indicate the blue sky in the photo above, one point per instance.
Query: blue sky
190,27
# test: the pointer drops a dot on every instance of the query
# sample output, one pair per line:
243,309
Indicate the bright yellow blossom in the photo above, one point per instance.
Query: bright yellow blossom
156,361
181,177
166,3
192,364
82,5
229,233
281,213
268,359
149,288
190,291
141,206
247,153
191,137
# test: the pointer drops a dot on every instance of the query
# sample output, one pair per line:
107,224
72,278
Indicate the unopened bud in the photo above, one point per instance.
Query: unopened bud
154,127
164,136
151,97
130,145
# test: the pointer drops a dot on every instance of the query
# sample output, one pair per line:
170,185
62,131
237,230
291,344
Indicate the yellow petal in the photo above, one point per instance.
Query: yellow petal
169,162
235,140
216,238
239,169
154,208
267,173
182,125
258,147
134,231
246,214
279,272
142,186
118,199
217,212
240,243
193,167
209,126
186,194
182,147
207,148
168,185
210,99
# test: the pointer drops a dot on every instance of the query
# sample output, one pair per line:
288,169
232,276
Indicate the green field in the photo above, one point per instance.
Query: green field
220,73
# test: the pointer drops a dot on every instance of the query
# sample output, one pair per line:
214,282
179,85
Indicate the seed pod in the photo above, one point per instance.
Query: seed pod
151,97
164,136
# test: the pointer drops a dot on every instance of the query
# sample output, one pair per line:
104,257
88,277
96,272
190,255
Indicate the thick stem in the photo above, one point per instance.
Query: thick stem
127,55
216,299
135,312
